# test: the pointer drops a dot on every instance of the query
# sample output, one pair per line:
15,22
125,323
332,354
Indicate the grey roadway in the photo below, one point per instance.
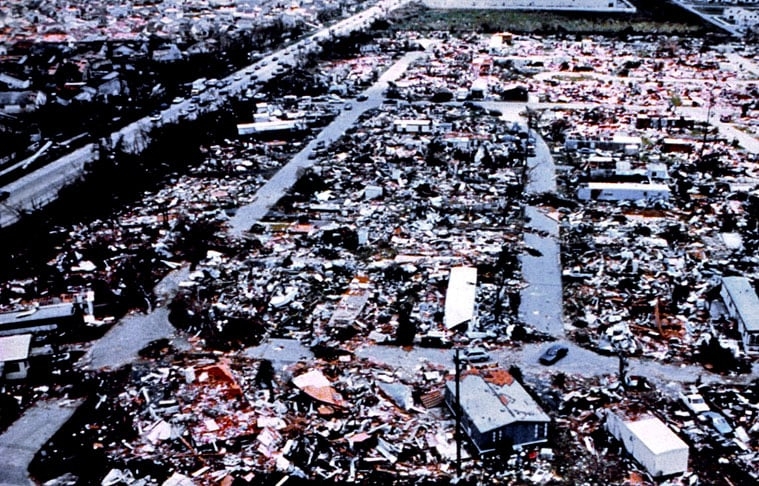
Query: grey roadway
541,303
21,441
122,343
668,378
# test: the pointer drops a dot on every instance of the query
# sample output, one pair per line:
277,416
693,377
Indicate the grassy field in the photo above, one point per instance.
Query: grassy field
421,19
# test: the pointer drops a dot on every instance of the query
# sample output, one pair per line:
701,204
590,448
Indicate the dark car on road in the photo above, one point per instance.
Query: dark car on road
553,354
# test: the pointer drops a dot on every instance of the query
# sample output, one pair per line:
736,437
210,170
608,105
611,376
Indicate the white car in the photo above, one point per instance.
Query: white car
695,402
474,355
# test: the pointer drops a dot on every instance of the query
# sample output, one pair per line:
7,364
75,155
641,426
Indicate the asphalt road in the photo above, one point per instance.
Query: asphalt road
541,303
21,441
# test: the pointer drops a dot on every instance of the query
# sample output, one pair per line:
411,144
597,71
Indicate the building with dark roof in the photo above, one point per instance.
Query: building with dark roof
497,413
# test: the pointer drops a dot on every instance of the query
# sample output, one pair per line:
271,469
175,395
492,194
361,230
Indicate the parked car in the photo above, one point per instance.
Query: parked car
474,355
717,422
553,354
694,402
362,97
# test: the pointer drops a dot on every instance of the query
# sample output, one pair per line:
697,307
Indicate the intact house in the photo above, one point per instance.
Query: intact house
742,303
497,413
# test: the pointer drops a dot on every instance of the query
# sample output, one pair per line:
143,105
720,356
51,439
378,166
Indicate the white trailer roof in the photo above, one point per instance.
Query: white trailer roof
14,348
459,299
655,434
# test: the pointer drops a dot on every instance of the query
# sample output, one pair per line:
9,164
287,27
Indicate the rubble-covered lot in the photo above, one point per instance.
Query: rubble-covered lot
359,252
212,417
643,277
224,418
391,213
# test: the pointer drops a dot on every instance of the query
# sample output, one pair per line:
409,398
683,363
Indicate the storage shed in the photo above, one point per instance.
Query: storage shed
651,443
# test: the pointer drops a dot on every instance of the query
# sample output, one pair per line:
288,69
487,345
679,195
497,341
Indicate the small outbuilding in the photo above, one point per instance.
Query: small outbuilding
651,443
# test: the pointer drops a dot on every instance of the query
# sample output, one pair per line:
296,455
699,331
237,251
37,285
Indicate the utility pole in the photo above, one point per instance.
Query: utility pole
706,127
527,140
457,435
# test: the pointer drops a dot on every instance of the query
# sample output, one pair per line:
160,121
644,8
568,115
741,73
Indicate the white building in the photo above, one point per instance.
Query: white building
622,191
742,303
651,443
